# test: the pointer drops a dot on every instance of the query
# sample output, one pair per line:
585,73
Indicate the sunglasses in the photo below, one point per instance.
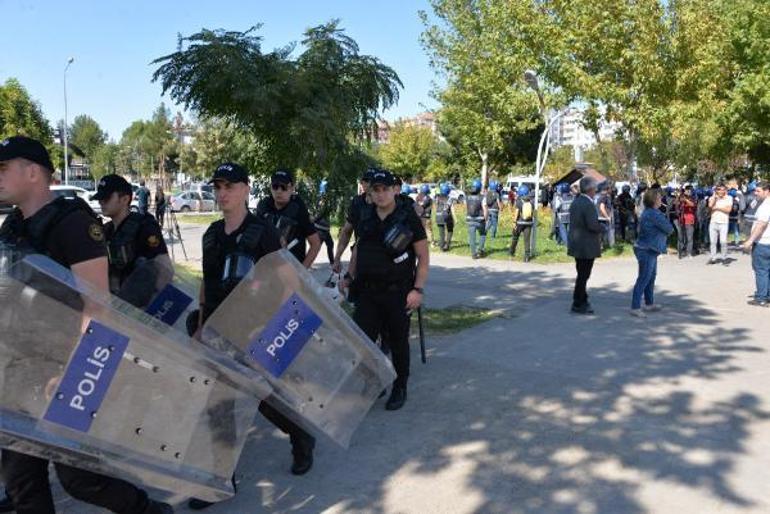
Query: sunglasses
282,187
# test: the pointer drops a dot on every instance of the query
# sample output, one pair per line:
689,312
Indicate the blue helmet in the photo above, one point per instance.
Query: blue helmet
563,188
522,190
406,189
476,186
322,187
669,190
425,189
445,189
493,185
752,186
733,192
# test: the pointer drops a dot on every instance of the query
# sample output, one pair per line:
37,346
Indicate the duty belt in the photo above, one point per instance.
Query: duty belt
368,284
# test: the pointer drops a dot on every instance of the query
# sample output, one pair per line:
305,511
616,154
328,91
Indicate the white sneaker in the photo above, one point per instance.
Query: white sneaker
638,313
656,307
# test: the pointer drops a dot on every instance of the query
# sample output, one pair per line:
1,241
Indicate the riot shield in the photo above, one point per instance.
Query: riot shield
147,279
325,372
85,383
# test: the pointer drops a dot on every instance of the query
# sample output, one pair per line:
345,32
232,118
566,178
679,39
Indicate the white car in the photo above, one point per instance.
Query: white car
192,201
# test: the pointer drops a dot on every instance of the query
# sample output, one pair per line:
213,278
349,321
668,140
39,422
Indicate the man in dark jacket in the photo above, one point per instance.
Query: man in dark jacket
585,242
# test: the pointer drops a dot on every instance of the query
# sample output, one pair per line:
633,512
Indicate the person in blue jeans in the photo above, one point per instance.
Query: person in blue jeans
758,244
654,229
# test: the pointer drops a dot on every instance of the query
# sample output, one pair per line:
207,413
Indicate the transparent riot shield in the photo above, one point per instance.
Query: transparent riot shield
85,383
174,302
325,372
148,278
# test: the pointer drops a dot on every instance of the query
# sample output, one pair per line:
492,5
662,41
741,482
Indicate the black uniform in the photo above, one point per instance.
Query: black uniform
357,203
68,232
235,254
292,221
524,224
427,207
138,238
445,221
384,278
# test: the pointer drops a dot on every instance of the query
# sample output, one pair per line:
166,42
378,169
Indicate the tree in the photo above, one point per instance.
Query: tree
410,150
20,115
105,161
310,112
86,135
147,145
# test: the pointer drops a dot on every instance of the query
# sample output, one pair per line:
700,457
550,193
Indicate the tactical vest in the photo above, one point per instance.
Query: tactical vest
475,210
427,207
376,259
286,221
752,204
121,248
443,211
566,203
225,271
491,200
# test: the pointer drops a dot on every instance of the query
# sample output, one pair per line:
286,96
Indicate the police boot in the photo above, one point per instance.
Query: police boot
196,504
397,398
302,451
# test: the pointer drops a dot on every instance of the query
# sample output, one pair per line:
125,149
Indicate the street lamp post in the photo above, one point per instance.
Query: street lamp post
64,129
530,77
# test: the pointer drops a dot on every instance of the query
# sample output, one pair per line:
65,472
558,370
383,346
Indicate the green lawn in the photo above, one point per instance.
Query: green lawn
548,252
199,219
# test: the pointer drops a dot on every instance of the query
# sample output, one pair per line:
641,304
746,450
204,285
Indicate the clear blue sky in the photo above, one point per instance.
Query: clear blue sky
114,42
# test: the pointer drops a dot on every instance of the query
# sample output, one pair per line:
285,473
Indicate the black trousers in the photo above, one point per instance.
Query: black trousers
383,313
26,480
517,232
327,239
297,435
584,267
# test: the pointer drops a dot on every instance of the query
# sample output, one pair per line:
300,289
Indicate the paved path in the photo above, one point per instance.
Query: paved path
544,412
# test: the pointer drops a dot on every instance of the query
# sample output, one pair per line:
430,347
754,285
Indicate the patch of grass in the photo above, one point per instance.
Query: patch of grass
548,251
199,219
187,273
454,319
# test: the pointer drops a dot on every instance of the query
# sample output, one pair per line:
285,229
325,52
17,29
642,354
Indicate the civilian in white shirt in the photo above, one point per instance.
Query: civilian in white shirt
758,244
720,206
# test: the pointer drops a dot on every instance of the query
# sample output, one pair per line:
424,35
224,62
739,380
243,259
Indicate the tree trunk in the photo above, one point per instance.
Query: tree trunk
484,168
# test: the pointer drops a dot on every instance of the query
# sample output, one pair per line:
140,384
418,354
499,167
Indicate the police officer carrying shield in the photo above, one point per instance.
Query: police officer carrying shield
288,213
68,232
391,268
139,262
231,247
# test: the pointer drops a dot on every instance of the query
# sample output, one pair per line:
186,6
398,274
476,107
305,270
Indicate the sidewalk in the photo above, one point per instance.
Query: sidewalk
545,412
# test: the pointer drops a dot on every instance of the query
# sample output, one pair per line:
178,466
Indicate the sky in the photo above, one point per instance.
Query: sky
113,44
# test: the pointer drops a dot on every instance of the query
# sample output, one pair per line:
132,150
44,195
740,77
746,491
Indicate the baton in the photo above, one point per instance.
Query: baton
422,335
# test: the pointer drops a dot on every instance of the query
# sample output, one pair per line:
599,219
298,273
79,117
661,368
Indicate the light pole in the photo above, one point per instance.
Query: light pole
64,129
530,77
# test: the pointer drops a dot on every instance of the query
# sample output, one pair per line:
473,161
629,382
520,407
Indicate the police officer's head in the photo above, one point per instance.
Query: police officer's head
382,191
231,187
25,169
366,179
282,187
114,195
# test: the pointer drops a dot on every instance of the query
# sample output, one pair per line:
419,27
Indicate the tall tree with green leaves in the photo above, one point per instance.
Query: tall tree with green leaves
86,136
410,150
308,112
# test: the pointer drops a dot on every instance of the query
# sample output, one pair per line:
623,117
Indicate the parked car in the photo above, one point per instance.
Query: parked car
190,201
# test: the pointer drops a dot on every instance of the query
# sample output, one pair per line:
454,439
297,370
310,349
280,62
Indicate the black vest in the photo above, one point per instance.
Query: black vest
443,212
121,248
474,206
222,273
374,260
427,207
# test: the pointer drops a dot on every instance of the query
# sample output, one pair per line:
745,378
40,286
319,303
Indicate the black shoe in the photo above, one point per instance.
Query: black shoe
154,507
196,504
582,309
302,453
759,303
6,505
397,398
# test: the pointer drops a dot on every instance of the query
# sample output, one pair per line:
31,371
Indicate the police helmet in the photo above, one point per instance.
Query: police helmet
522,190
445,189
563,188
406,189
752,186
733,192
476,186
493,185
425,189
669,190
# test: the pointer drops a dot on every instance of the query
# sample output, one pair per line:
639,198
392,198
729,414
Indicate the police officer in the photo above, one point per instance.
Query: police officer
444,217
351,218
525,208
68,232
494,206
626,207
476,217
231,247
391,268
426,205
321,221
288,213
135,244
